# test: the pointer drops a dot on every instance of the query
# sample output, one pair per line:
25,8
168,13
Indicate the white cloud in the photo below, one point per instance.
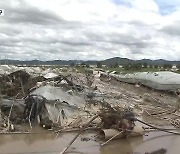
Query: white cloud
89,29
148,5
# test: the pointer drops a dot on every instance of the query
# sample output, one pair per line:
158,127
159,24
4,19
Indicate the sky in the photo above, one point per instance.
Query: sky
90,29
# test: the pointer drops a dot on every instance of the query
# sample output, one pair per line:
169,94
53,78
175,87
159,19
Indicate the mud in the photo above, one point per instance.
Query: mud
167,97
51,144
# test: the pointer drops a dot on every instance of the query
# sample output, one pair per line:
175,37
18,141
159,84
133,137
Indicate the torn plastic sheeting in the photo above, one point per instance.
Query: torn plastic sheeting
56,93
37,69
2,72
28,69
50,76
46,71
157,80
64,115
6,69
53,113
63,82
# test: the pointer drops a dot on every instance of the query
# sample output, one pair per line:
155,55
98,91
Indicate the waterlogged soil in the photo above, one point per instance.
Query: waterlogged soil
51,144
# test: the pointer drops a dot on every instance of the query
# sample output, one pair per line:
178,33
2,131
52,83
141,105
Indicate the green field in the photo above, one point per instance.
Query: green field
122,70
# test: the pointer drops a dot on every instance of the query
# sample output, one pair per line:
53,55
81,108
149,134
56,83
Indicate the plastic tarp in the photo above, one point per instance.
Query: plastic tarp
56,93
50,76
158,80
8,69
65,115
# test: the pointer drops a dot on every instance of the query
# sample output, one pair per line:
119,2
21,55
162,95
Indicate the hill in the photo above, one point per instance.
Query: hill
110,61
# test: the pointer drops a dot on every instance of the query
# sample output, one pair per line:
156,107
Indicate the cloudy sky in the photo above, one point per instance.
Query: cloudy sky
90,29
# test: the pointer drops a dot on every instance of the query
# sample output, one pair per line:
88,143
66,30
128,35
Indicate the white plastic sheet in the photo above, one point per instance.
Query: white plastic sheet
158,80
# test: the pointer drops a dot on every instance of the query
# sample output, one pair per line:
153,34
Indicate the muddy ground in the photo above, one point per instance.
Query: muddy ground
50,143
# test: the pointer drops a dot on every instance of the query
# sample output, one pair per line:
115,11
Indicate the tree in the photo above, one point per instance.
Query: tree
99,65
155,66
72,64
145,65
130,66
116,65
167,66
87,65
126,67
137,66
83,64
178,66
150,66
